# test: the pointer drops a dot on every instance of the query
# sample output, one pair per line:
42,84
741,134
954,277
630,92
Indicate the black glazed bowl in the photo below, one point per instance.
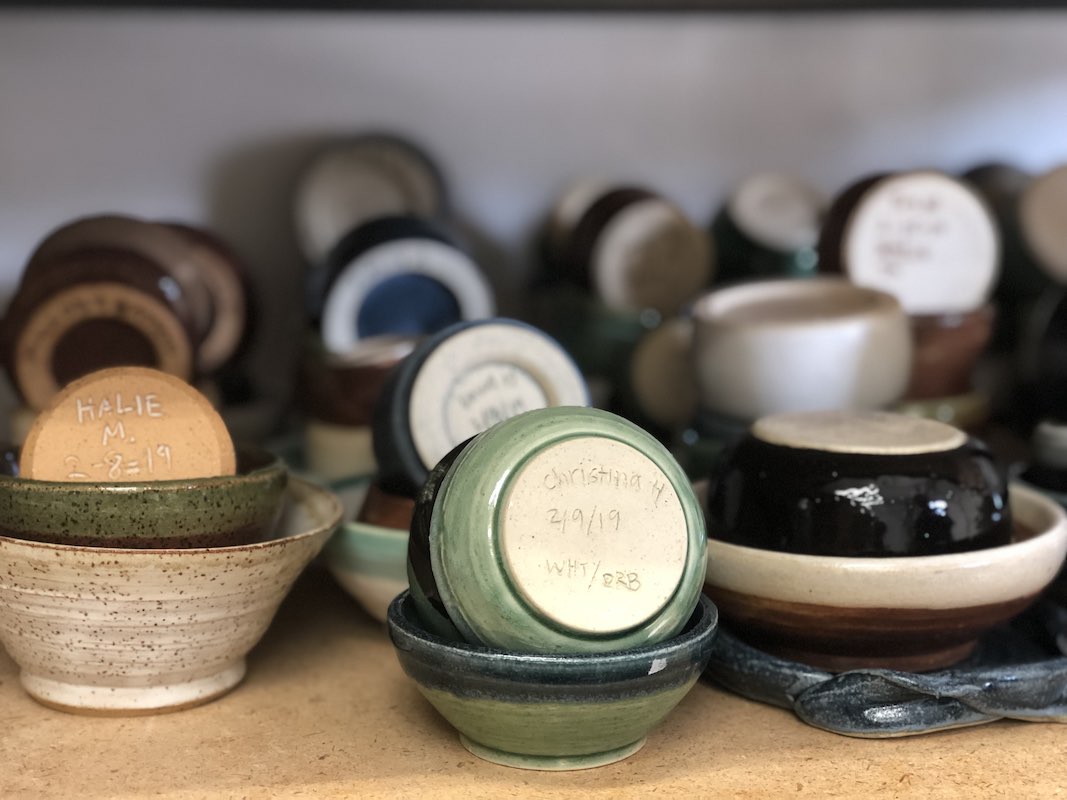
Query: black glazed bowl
861,485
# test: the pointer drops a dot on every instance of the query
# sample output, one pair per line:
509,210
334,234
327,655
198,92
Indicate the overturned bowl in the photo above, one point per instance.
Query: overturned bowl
140,631
219,511
552,712
911,613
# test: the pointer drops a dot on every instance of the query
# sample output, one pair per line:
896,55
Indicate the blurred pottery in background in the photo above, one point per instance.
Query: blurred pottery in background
629,247
460,382
352,181
768,228
922,236
339,393
947,348
788,345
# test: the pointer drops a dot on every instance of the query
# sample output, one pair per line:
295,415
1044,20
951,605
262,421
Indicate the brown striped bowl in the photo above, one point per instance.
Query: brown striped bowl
912,613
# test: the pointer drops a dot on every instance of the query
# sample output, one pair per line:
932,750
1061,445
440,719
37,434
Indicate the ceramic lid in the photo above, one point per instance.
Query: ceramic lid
224,276
93,309
155,242
460,382
637,251
926,238
1043,215
568,211
402,276
352,182
566,530
662,374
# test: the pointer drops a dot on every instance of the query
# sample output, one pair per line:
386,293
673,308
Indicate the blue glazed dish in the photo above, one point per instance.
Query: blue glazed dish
552,712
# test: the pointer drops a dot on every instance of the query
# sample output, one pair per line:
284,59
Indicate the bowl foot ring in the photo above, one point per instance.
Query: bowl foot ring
122,701
552,763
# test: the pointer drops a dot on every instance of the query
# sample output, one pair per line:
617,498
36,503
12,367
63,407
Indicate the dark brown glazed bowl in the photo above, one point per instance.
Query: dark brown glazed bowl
386,509
200,512
342,389
826,502
161,337
911,613
947,347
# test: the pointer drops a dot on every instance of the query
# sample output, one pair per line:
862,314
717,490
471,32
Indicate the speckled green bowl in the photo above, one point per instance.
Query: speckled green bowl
201,512
552,712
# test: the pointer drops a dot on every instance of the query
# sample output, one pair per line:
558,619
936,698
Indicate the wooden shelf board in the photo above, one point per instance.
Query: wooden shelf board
325,712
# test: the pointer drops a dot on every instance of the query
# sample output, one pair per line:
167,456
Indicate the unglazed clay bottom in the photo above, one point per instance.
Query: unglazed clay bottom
131,700
136,631
552,763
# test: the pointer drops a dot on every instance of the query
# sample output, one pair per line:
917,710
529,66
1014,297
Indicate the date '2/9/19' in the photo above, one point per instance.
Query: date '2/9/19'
595,520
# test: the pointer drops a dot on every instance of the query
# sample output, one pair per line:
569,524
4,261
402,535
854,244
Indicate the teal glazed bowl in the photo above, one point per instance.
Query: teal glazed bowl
370,563
560,530
219,511
552,712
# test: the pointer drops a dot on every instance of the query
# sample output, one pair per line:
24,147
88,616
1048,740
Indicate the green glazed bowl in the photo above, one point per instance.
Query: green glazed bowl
221,511
560,530
370,563
552,712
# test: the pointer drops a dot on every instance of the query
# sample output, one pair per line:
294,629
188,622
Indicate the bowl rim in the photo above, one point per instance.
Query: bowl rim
272,464
709,309
298,487
361,528
876,581
701,626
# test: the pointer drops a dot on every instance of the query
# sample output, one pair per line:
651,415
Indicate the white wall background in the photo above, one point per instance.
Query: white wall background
208,116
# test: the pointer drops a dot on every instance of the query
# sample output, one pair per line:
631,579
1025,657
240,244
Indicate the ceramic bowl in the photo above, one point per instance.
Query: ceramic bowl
911,613
368,557
859,484
552,712
370,563
138,631
799,345
200,512
947,348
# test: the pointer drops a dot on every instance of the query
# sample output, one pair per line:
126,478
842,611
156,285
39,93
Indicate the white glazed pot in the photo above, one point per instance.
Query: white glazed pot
779,346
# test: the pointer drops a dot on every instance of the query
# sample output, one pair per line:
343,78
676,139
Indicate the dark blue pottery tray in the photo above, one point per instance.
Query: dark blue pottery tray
1017,672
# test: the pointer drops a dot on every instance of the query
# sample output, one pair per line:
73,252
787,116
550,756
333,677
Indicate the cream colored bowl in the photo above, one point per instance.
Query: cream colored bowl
799,345
910,612
99,630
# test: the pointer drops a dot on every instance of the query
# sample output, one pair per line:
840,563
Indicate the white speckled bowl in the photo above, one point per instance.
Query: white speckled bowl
131,631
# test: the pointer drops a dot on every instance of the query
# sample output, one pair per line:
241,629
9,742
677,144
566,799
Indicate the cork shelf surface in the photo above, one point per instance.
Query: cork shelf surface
325,712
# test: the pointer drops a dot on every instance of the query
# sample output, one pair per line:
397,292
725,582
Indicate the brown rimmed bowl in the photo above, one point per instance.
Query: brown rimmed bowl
912,613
